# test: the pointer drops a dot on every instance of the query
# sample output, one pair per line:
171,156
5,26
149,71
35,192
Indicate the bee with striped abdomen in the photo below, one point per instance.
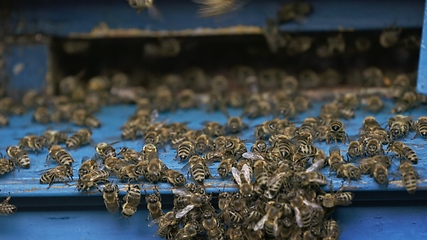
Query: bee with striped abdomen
60,155
132,200
6,208
80,138
18,155
59,173
110,193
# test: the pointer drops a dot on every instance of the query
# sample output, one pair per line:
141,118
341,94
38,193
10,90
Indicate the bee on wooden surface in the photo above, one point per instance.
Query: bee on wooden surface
88,165
4,120
225,166
6,208
259,146
154,204
355,149
198,169
329,200
337,132
302,208
110,194
421,127
155,169
189,201
174,177
256,106
168,225
131,199
212,226
372,77
213,129
189,231
149,151
369,125
105,150
331,230
406,102
374,104
18,155
403,152
213,156
389,37
267,128
373,146
210,8
306,151
308,178
286,109
60,155
243,178
335,159
6,165
185,150
59,174
153,137
269,222
32,142
81,117
400,126
202,143
380,171
283,146
91,179
409,176
80,138
260,172
41,115
52,137
235,125
129,155
234,146
348,171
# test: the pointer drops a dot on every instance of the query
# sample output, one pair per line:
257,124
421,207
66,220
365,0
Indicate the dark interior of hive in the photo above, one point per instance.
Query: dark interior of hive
147,60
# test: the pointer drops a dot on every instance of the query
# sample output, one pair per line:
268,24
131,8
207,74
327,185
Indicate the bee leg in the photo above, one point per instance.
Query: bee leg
149,216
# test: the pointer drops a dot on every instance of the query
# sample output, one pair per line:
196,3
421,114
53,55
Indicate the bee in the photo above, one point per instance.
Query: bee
421,127
213,129
234,146
81,117
58,154
403,152
235,125
212,225
129,155
163,99
409,176
154,204
259,146
91,179
202,144
105,150
110,193
58,173
362,44
301,103
256,106
149,151
81,137
374,104
373,147
225,166
41,115
369,124
6,165
355,149
243,179
213,156
286,109
188,201
174,177
88,165
267,128
306,151
307,178
18,155
380,171
211,8
186,99
400,126
372,77
51,137
152,137
329,200
131,199
389,37
337,132
130,132
285,147
6,208
127,171
189,231
406,102
302,208
308,78
349,171
400,85
331,230
32,142
260,172
185,150
4,120
155,169
335,159
198,169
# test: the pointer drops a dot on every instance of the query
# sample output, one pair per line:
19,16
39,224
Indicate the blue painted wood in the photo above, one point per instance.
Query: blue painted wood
422,67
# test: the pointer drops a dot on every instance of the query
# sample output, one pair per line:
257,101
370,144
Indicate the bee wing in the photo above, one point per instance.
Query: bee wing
181,213
85,158
298,217
316,166
236,175
154,222
186,168
180,192
312,204
252,156
260,224
247,173
319,181
275,178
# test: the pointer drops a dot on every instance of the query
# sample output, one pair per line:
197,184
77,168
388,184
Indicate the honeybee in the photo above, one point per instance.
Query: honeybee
149,151
128,171
406,102
202,144
91,179
335,159
225,166
235,125
329,200
213,129
256,106
286,109
4,120
212,225
403,152
211,8
294,11
18,155
185,150
401,84
174,177
88,165
198,169
308,178
6,165
131,199
374,104
284,146
337,132
58,173
163,100
6,208
348,171
51,137
400,126
355,149
186,99
32,142
421,127
270,220
105,150
130,155
213,156
59,154
409,176
81,117
369,125
362,44
302,208
154,204
167,225
380,171
81,137
155,169
110,193
267,128
189,231
41,115
373,146
331,230
389,37
372,77
243,178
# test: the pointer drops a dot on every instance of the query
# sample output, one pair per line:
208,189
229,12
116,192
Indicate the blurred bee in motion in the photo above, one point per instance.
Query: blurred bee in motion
389,37
187,99
91,179
374,104
372,77
81,117
362,44
294,11
132,200
403,152
163,99
256,106
409,176
6,208
421,127
141,5
18,155
272,35
32,142
348,171
41,115
4,120
6,165
87,166
59,154
308,78
154,204
80,138
51,137
57,174
355,149
110,193
166,47
406,102
212,8
235,125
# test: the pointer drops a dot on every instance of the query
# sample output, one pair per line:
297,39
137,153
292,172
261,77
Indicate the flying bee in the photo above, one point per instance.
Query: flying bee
81,117
409,176
130,155
369,125
421,127
372,77
59,154
81,137
32,142
355,149
335,159
59,173
198,169
110,193
308,178
174,177
104,150
348,171
51,137
131,199
337,132
6,208
225,166
213,129
88,165
202,144
185,150
6,165
329,200
211,8
243,179
91,179
403,152
374,104
41,115
235,125
155,169
18,155
154,204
